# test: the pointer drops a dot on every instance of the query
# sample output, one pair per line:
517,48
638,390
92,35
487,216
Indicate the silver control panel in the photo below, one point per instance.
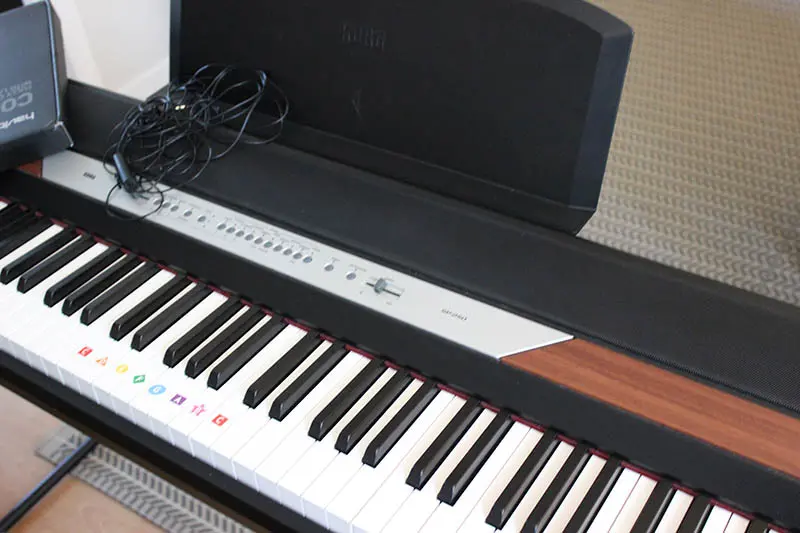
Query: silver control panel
445,313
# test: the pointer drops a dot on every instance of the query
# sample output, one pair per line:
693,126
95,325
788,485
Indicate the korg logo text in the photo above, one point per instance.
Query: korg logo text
365,36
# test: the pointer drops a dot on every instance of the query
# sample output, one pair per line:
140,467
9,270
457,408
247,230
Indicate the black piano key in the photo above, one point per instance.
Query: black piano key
95,287
596,497
557,491
465,471
355,430
510,497
106,301
10,213
221,343
22,233
147,307
655,508
278,372
178,351
167,318
335,410
432,458
310,378
15,224
25,262
52,264
242,355
697,515
399,424
757,526
71,283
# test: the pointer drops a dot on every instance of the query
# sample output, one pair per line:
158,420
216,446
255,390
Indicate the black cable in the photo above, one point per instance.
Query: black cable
176,135
46,485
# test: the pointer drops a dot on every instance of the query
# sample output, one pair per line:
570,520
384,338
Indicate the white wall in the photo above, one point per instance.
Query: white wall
121,45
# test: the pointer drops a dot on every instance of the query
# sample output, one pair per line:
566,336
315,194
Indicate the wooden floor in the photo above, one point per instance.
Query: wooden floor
73,505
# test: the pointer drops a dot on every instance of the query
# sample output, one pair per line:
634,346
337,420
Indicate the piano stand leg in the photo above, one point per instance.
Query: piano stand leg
46,485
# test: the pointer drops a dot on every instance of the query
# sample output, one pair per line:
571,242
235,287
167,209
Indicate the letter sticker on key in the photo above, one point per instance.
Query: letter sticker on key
139,379
220,420
85,351
155,390
178,399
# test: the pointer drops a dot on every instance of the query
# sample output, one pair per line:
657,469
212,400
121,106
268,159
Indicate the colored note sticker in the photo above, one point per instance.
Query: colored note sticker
220,420
121,369
139,378
178,399
102,361
85,351
155,390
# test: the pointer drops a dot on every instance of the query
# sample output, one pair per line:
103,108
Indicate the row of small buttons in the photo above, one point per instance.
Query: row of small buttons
266,243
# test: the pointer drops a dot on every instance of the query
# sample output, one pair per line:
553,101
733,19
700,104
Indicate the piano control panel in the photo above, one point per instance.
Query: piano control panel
476,325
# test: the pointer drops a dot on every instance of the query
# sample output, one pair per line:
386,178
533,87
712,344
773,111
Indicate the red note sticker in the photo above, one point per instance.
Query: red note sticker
220,420
84,351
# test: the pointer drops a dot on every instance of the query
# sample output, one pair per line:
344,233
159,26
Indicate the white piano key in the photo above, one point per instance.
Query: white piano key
737,524
381,506
147,365
54,346
538,488
449,518
257,448
115,389
106,348
85,339
32,340
344,466
368,481
476,521
297,443
615,501
422,503
717,520
319,455
228,399
23,249
325,389
675,512
576,494
34,320
11,299
118,390
633,506
182,426
156,393
221,442
163,410
364,480
297,483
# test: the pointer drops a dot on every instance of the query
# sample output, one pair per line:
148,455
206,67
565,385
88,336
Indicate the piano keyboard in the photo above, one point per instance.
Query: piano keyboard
350,441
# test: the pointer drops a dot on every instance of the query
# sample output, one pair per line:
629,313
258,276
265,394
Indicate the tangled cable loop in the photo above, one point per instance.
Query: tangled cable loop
170,139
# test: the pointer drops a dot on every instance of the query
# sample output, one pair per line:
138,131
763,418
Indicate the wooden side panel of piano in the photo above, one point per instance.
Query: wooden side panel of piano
703,412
